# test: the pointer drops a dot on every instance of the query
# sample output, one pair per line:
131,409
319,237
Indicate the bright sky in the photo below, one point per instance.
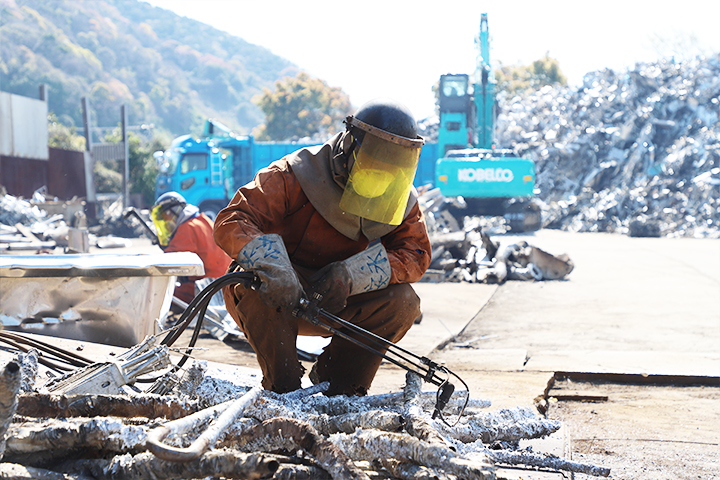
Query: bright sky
399,49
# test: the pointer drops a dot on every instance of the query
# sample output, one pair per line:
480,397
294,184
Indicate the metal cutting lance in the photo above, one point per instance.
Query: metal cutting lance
427,369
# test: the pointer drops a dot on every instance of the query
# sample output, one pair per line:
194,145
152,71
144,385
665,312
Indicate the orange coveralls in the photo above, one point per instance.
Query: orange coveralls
274,202
196,235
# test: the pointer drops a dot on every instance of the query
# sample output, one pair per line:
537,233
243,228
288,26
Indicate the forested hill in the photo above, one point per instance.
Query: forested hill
171,71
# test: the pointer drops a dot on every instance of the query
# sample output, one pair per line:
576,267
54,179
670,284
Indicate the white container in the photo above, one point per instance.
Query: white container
110,299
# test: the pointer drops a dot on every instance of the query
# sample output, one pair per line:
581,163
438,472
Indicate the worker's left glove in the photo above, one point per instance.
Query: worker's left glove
267,257
366,271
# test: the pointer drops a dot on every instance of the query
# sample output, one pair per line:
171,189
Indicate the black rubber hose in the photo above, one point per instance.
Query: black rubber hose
66,355
197,308
41,359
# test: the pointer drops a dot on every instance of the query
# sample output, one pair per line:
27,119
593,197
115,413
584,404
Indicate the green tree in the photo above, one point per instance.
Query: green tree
516,78
63,136
108,177
143,169
299,107
116,52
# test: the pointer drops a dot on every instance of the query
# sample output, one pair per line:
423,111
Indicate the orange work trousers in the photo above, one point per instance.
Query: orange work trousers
349,368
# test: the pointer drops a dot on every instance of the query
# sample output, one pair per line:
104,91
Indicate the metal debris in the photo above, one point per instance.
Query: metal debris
283,433
521,261
64,406
226,415
216,463
108,378
364,444
29,369
300,433
43,225
10,380
16,210
523,457
78,296
468,254
635,152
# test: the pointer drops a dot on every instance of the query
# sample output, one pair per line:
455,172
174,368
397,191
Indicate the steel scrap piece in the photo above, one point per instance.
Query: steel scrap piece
27,225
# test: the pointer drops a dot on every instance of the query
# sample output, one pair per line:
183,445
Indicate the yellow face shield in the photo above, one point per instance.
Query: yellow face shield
164,226
382,175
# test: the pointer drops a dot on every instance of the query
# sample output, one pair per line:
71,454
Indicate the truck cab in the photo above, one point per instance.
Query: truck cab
197,169
457,113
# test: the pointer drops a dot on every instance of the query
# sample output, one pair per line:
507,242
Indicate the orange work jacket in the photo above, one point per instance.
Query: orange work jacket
274,202
196,235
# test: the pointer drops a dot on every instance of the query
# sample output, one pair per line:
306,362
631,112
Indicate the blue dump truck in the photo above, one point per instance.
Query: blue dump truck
207,170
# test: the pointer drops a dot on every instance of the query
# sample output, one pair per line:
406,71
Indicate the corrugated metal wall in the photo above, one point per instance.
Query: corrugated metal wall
22,176
63,174
26,162
66,174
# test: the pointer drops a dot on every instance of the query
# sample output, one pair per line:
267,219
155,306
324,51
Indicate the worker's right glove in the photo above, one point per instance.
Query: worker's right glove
333,283
267,258
366,271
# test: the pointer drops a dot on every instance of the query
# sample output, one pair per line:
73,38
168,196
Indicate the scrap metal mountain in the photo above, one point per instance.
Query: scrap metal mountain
633,152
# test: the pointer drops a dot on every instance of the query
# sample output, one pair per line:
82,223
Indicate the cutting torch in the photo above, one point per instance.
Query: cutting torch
308,310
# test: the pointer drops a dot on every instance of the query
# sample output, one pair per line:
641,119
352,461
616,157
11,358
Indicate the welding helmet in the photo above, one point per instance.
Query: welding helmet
165,213
383,156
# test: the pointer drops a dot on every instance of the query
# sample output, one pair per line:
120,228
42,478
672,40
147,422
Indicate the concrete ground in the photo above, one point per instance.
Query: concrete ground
643,306
631,305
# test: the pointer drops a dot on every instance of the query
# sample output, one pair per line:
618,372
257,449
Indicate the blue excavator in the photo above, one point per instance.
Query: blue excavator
487,180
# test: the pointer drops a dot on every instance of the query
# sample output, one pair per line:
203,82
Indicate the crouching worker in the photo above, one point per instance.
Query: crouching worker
182,228
340,220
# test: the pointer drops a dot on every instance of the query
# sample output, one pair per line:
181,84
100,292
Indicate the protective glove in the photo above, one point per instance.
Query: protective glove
363,272
267,258
333,283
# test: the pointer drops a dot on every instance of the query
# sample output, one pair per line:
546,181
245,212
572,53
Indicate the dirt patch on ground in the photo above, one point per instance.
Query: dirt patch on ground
639,432
643,431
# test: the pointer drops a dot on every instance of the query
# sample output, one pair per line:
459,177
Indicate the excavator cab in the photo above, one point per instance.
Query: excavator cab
454,93
457,113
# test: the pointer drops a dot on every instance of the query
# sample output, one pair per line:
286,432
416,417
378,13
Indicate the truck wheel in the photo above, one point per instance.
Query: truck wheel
211,209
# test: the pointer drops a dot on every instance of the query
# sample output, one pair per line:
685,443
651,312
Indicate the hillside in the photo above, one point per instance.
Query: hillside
171,71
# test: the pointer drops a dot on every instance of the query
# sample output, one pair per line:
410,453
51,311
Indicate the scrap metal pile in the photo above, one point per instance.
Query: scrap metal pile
469,254
205,423
634,152
24,226
30,225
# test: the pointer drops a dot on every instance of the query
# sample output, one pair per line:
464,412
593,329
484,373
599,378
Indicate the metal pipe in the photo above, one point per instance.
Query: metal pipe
230,410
